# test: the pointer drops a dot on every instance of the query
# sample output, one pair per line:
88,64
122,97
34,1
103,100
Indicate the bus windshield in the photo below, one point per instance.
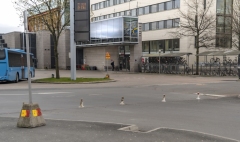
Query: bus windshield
2,54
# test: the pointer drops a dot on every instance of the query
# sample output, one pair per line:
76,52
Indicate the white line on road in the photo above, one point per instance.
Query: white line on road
48,93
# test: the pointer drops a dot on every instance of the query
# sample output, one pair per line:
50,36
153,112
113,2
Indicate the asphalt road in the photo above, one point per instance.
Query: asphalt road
216,113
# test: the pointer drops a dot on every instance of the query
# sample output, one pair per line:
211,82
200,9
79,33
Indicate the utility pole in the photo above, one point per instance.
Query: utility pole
72,42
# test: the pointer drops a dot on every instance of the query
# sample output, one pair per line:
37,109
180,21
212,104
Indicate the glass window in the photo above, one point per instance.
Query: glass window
169,23
93,7
111,3
127,13
105,16
145,46
110,15
97,6
107,3
153,8
228,24
153,25
220,6
176,22
169,5
161,7
101,5
176,44
119,14
121,1
220,24
161,45
116,2
154,46
140,11
229,5
146,27
122,13
165,24
100,17
176,3
2,54
160,24
167,45
134,12
146,10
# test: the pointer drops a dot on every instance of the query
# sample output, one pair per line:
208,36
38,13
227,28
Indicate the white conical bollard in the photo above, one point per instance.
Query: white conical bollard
198,96
81,104
122,101
164,99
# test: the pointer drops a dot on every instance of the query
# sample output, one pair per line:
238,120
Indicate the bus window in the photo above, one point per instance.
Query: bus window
2,54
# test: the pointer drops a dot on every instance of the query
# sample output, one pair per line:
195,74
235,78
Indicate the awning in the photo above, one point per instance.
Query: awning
219,53
179,54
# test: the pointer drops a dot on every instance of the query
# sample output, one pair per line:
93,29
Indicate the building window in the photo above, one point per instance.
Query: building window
146,27
220,6
154,46
169,23
153,8
160,24
134,12
111,3
97,6
161,7
220,24
122,13
93,7
153,26
169,5
140,11
101,5
176,22
145,46
146,10
176,3
127,13
229,6
121,1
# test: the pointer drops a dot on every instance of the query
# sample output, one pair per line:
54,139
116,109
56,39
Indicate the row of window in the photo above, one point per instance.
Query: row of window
165,24
164,45
143,10
108,3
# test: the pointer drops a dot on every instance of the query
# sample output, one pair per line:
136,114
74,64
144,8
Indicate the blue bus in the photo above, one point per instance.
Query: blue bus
13,65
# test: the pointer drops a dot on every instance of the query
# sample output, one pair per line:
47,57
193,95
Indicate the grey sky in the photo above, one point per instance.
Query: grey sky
9,19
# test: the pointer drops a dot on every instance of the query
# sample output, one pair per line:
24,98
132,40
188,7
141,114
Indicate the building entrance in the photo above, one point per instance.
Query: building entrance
124,58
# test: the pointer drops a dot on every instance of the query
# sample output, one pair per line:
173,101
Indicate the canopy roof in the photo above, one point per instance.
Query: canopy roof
219,53
178,54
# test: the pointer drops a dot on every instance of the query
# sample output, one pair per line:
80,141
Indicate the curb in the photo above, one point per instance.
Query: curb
94,82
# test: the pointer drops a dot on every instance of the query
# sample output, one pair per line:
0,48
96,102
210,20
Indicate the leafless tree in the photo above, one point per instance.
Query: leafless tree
197,20
51,15
236,24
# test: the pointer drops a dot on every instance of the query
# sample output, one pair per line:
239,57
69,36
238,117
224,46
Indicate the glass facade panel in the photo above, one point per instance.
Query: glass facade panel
229,6
146,10
220,24
176,22
153,8
145,46
140,11
228,24
160,24
134,12
153,25
169,5
220,6
111,3
176,3
154,46
101,5
169,23
146,27
161,7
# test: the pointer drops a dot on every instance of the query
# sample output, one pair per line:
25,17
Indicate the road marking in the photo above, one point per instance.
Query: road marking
13,94
48,93
95,94
214,95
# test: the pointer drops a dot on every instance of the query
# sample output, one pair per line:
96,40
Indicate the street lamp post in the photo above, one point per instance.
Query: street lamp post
159,51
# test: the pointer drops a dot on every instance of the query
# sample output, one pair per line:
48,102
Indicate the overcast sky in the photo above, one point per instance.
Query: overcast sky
9,20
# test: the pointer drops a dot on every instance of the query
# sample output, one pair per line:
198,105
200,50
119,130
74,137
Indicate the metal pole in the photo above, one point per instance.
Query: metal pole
107,66
159,64
72,42
28,57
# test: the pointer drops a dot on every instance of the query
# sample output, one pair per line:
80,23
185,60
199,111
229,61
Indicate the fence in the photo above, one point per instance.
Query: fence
205,69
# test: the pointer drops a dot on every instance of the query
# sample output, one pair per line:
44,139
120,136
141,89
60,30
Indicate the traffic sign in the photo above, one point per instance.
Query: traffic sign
107,55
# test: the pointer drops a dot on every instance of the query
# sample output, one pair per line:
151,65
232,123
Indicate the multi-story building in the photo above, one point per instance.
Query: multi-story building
154,21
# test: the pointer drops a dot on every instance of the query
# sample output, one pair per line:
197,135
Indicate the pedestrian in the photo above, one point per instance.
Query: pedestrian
112,64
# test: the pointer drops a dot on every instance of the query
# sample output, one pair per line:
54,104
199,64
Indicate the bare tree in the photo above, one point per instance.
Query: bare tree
197,20
51,15
235,22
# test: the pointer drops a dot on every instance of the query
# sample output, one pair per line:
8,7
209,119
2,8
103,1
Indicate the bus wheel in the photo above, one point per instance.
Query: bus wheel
17,78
